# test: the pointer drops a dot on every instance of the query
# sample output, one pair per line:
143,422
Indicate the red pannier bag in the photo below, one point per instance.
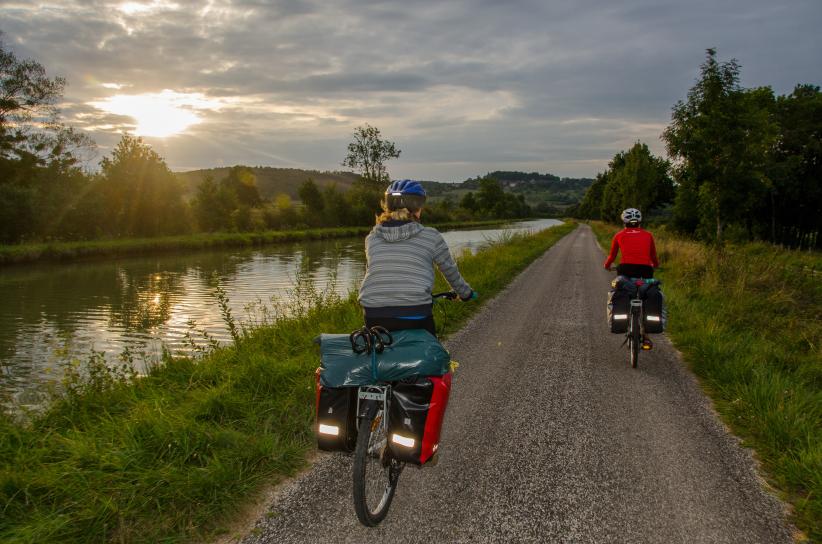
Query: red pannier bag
415,417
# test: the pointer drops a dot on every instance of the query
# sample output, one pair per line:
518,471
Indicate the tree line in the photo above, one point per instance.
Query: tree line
47,191
745,165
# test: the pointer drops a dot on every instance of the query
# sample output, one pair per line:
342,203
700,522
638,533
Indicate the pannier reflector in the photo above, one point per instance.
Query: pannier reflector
652,317
329,429
620,316
402,440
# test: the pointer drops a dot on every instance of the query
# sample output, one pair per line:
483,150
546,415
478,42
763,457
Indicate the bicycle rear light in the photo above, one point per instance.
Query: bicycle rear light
333,430
402,440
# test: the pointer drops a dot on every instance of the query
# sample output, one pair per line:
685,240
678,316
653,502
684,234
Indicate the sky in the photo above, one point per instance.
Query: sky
462,87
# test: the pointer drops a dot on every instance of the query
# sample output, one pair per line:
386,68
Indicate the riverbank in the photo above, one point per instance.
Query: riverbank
174,455
65,251
747,323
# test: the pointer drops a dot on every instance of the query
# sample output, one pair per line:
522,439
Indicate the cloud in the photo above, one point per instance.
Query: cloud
462,87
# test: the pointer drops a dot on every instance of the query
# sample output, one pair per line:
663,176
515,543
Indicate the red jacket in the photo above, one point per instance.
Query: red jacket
637,246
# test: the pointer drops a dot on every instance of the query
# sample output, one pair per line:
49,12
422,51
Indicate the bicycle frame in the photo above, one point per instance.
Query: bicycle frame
380,393
636,309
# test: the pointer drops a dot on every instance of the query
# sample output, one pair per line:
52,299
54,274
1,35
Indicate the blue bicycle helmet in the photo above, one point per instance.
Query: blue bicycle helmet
405,193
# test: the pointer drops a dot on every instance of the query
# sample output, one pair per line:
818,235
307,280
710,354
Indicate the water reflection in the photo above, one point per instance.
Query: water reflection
55,311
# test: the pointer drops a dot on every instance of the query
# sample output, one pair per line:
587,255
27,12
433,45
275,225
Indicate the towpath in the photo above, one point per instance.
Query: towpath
551,437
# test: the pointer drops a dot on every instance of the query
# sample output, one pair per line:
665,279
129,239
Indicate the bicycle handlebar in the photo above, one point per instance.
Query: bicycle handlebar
450,295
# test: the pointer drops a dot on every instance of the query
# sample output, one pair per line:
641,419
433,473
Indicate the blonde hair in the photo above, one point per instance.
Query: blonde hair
402,214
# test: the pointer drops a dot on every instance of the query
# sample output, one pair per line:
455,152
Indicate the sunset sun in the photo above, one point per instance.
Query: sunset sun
159,115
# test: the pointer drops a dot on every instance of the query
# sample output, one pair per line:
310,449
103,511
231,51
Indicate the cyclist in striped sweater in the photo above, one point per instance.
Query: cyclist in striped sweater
401,254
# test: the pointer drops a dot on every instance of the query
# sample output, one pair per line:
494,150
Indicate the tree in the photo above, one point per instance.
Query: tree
721,135
636,179
26,92
284,212
143,197
469,202
368,154
242,181
336,206
311,197
490,194
40,181
794,200
213,205
589,206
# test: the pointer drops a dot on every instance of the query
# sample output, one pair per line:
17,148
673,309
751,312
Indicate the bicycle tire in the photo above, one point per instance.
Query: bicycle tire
370,472
634,341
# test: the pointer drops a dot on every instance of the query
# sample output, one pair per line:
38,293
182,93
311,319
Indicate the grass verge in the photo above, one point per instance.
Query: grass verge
57,251
747,321
173,456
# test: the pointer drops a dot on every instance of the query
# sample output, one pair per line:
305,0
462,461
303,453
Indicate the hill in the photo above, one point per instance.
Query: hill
273,181
544,191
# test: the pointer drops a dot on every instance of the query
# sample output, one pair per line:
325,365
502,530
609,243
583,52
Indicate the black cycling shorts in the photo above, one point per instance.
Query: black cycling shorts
635,270
397,324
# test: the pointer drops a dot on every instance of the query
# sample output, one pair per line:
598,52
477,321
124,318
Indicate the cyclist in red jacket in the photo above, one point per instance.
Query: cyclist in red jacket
638,253
637,246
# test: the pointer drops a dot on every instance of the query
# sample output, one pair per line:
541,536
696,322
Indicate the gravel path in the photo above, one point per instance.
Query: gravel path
551,437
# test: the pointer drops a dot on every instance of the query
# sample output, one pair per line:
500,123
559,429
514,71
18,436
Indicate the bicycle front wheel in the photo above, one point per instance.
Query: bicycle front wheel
375,472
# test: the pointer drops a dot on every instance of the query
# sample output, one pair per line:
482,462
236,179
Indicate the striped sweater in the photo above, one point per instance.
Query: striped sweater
399,273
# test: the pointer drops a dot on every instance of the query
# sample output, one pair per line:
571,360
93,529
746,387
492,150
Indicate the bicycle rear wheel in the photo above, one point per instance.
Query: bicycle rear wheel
375,473
634,340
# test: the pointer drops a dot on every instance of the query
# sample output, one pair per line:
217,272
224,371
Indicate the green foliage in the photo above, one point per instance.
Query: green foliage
312,198
747,322
634,179
490,194
722,136
591,204
470,203
213,206
794,200
26,92
368,154
243,183
142,196
272,181
492,201
747,165
172,455
39,179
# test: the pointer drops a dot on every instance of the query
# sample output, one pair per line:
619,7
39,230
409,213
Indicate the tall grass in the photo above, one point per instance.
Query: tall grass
748,322
169,457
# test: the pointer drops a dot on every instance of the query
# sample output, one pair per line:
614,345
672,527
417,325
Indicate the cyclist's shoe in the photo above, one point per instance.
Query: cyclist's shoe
647,345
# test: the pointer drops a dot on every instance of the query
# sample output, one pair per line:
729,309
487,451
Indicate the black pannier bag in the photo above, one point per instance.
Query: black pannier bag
653,309
336,418
415,417
619,304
